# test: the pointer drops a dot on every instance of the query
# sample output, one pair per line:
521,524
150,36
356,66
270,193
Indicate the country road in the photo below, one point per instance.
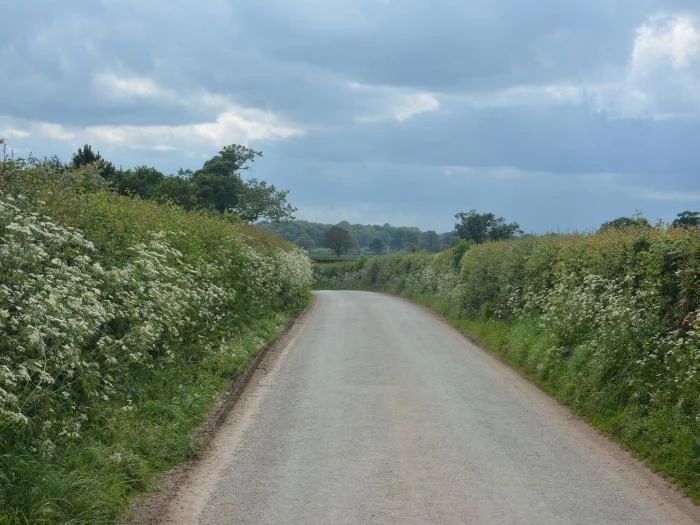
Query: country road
376,411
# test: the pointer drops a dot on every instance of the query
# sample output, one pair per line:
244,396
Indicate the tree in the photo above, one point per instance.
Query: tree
397,238
305,241
259,200
411,239
482,227
431,241
175,189
185,173
85,156
636,221
216,191
218,184
687,219
142,181
377,246
338,239
4,157
230,161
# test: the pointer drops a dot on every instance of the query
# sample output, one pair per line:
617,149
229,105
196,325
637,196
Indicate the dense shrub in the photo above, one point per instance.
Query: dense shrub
118,313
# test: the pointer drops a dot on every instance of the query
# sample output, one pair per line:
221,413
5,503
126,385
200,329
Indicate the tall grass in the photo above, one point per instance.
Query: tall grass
607,322
120,322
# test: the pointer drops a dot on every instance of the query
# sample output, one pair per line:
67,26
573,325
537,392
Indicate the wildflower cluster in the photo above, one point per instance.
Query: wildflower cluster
293,272
76,333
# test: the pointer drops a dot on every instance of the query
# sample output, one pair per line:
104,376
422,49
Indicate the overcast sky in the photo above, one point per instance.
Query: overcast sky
557,114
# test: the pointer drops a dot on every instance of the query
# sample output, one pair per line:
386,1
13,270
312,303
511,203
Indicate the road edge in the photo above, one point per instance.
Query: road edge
654,483
149,508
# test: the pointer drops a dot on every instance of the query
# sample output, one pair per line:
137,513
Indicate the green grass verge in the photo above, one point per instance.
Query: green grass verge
91,481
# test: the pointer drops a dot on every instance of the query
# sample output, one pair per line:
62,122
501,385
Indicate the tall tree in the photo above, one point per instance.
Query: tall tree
212,190
411,239
141,181
482,227
397,238
259,200
4,159
377,246
175,189
687,219
431,241
230,161
219,184
85,156
338,239
636,221
305,241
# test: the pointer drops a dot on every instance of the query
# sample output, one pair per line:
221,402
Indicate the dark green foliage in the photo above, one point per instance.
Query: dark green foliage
377,246
457,251
215,191
85,156
260,200
687,219
230,161
218,185
636,221
397,239
177,190
338,239
482,227
430,240
304,241
411,239
142,181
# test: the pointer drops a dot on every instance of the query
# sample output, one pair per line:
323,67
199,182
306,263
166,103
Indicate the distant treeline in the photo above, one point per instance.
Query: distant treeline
378,239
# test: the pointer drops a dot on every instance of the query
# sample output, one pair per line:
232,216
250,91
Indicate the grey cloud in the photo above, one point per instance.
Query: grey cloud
571,139
53,58
298,59
284,56
452,45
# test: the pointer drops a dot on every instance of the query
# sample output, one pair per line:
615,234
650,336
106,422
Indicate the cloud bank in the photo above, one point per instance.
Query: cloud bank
557,115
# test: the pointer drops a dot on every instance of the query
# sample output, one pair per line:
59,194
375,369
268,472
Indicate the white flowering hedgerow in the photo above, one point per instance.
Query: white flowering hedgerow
607,334
74,333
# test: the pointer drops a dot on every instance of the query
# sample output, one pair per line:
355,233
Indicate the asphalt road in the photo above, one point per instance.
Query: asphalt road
378,412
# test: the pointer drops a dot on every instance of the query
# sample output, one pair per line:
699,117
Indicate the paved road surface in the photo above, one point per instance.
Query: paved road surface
377,412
